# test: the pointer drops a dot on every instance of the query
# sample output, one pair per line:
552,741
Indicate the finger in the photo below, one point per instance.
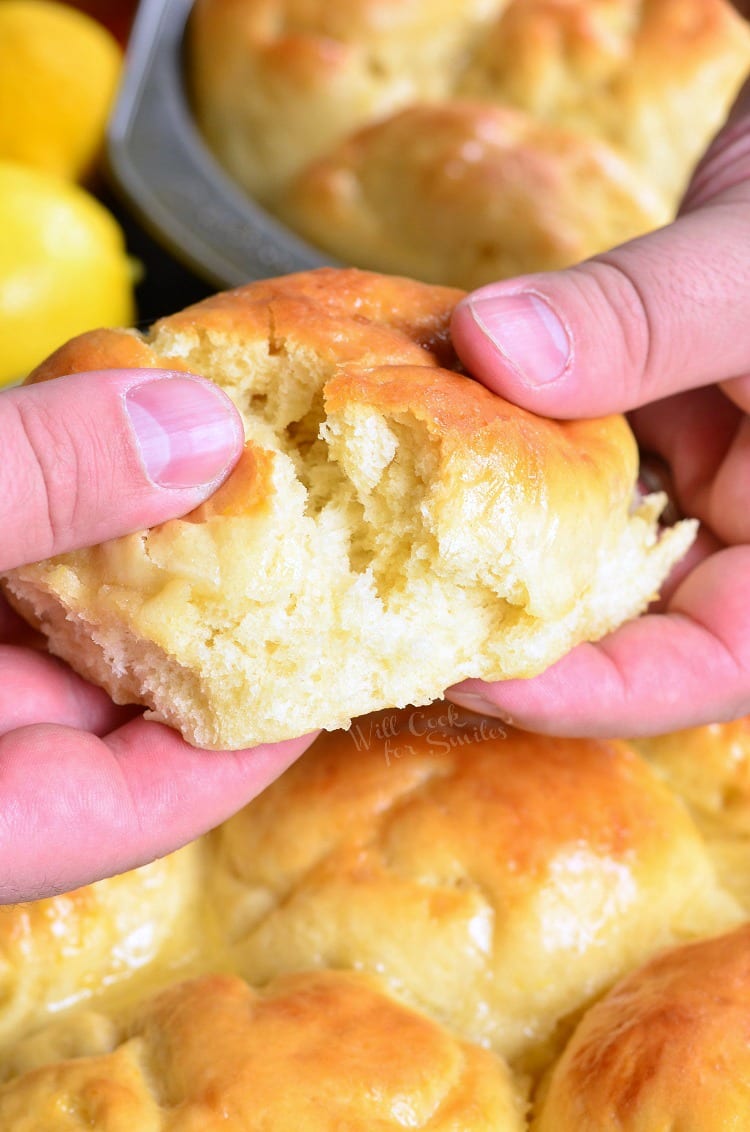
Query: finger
95,455
36,688
705,544
15,630
656,674
77,808
705,440
659,315
724,164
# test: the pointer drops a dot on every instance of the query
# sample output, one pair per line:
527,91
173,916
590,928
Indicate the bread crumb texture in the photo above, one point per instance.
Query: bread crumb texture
391,528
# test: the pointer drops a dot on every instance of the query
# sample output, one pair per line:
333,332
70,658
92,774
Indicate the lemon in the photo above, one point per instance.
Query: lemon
63,267
59,70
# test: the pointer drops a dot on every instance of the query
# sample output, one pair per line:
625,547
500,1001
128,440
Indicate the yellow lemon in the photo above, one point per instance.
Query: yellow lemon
59,70
63,267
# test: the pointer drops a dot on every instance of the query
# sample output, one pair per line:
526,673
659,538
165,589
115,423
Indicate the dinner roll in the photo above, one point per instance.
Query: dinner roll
503,191
666,1049
653,78
710,768
391,528
319,1052
275,82
389,132
497,880
73,947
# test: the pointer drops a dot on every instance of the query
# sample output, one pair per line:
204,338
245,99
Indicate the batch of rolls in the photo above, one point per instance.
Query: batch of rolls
431,920
462,141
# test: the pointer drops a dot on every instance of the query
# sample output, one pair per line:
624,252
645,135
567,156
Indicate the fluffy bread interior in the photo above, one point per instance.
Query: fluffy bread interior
391,528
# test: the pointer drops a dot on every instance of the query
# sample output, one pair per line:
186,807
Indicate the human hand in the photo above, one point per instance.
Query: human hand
659,327
88,789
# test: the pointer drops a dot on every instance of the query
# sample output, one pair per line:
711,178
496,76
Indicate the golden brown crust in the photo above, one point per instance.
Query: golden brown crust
653,78
667,1048
313,1053
361,104
497,879
275,82
504,192
393,527
96,350
709,768
68,948
342,316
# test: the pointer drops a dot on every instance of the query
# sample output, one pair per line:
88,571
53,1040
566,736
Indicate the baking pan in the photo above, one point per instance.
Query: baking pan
159,162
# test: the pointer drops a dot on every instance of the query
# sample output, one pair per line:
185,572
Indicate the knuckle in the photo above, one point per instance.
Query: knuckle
47,459
632,326
724,171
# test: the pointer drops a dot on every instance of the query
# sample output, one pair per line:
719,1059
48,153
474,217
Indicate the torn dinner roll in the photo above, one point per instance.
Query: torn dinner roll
391,528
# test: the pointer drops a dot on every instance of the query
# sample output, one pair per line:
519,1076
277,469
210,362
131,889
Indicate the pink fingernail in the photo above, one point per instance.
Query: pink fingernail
472,702
527,332
187,430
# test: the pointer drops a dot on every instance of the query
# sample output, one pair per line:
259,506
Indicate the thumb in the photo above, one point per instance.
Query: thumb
96,455
661,314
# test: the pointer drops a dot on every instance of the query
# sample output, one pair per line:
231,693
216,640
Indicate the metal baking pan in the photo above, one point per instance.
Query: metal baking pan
170,179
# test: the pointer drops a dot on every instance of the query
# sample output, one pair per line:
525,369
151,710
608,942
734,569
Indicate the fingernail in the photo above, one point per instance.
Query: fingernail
186,432
478,704
527,332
